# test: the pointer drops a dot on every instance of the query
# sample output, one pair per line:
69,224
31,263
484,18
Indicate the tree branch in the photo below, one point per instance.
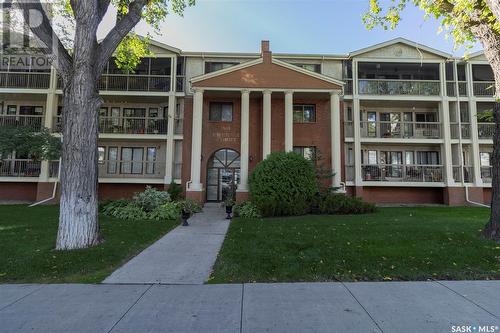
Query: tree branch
494,7
103,8
119,31
45,33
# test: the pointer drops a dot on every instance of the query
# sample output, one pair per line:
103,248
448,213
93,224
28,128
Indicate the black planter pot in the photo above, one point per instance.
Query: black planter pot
229,211
185,216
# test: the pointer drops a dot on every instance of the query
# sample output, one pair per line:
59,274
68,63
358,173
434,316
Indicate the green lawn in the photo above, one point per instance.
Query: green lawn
391,244
27,240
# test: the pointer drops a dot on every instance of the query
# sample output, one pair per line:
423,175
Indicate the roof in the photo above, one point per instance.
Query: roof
402,41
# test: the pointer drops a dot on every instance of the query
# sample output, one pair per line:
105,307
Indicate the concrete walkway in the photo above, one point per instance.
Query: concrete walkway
293,307
185,255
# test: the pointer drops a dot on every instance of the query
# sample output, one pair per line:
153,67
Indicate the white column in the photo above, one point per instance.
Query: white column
335,138
195,184
447,158
357,141
169,154
50,113
266,123
478,181
244,140
289,120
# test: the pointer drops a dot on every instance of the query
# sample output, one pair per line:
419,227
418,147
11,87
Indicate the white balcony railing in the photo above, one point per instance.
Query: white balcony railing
402,173
466,170
451,90
388,129
34,122
349,172
24,80
348,129
398,87
486,130
19,168
486,174
125,125
484,88
348,87
132,82
457,129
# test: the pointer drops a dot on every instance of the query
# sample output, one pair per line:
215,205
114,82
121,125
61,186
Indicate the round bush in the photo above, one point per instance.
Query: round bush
283,184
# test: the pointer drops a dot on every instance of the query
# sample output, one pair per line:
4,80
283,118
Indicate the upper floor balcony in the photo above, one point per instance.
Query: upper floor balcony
24,80
486,130
402,173
483,80
398,87
19,168
484,88
35,122
401,130
451,88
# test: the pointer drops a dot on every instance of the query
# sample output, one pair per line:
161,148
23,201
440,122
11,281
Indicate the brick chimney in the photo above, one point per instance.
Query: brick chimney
265,52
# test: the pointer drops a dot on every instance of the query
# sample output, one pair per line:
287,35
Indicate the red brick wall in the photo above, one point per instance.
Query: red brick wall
416,195
122,191
18,191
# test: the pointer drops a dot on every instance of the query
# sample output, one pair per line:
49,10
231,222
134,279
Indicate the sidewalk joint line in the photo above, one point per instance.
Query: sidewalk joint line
466,298
19,299
130,308
362,306
241,310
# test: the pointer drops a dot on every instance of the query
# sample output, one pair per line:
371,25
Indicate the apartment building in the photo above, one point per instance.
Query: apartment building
396,122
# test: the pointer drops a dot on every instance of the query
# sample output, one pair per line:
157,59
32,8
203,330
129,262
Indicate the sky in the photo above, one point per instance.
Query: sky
291,26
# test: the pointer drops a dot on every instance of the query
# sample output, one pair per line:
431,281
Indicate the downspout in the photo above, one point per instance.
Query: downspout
54,190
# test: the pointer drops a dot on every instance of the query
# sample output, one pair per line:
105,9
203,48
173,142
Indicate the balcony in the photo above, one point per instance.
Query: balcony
122,169
398,87
451,91
25,80
348,129
180,83
34,122
349,173
122,82
467,171
402,173
486,130
19,168
125,125
400,130
348,87
460,129
486,174
484,88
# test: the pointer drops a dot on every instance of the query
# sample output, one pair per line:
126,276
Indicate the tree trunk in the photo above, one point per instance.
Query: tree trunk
78,217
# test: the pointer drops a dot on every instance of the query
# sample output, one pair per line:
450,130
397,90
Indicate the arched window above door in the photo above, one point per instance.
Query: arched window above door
224,158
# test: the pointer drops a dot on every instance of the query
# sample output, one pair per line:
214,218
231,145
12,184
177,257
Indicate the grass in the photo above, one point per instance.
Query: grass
391,244
27,240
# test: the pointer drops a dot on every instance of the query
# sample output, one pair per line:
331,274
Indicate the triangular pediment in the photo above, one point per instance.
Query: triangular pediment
267,73
400,48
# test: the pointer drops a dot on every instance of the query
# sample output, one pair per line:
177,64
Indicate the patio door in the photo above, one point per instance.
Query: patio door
223,174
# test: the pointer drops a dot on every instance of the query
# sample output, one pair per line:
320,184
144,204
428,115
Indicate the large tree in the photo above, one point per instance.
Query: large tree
80,66
466,21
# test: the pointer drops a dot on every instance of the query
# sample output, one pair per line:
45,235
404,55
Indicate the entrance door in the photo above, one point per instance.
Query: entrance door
223,174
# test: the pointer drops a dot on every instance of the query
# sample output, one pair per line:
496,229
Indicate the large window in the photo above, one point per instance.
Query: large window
309,153
310,67
212,66
221,112
428,157
150,160
131,162
112,159
304,113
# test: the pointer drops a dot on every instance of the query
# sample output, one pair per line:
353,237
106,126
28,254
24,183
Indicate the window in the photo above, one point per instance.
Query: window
309,153
30,110
131,162
310,67
304,113
427,157
221,112
212,66
112,158
485,159
150,160
160,66
409,158
11,109
372,157
101,154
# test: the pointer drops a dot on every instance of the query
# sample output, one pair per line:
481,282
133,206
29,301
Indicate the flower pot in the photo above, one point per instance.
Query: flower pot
229,211
185,216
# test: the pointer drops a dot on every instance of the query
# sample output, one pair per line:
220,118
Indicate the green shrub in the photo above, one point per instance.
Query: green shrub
336,203
246,210
190,206
175,191
283,184
167,211
129,212
150,199
110,207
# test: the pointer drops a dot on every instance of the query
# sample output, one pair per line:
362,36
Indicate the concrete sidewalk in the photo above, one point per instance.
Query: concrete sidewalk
185,255
281,307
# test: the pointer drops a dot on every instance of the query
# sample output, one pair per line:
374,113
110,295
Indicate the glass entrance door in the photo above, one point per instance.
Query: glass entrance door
223,174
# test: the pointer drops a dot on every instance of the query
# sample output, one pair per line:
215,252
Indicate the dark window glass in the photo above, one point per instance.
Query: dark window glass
309,153
449,71
160,66
482,73
311,67
304,113
398,71
131,160
212,66
461,72
221,112
180,66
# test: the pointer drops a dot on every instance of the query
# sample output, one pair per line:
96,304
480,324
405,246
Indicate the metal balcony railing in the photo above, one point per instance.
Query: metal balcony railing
349,173
24,80
486,174
122,169
398,87
464,130
348,87
348,129
407,130
484,88
123,82
402,173
180,83
466,170
19,168
486,130
125,125
177,171
34,122
450,88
